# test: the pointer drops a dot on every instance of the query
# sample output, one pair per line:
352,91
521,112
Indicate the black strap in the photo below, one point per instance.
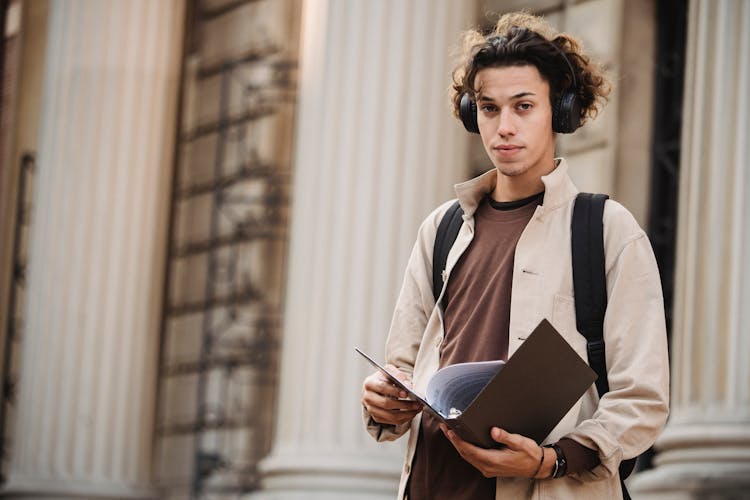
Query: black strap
447,233
590,289
589,280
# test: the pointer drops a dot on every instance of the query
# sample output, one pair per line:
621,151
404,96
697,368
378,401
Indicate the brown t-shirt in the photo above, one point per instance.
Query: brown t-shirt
477,316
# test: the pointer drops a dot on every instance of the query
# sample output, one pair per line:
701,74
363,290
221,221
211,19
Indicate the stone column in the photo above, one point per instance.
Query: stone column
84,426
704,451
377,149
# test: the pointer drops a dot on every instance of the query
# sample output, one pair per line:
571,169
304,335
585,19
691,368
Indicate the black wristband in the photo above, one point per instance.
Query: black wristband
561,464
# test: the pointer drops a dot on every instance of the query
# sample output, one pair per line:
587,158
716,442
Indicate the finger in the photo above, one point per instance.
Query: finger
403,377
391,420
478,457
375,398
391,405
512,441
391,417
454,438
382,387
377,382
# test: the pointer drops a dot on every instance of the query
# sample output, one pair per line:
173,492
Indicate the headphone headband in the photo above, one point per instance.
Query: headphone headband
567,61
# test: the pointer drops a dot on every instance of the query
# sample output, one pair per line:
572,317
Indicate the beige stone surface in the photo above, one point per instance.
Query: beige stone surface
705,449
376,150
87,376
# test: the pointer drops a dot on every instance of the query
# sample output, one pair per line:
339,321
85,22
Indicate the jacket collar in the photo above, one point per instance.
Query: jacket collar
558,189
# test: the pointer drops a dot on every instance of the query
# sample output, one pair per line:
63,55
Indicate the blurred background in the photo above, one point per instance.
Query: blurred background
206,204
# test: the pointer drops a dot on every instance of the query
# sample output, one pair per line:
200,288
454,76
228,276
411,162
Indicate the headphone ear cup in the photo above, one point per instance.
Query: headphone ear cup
467,110
566,114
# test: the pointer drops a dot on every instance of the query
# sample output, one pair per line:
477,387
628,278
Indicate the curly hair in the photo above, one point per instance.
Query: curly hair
520,39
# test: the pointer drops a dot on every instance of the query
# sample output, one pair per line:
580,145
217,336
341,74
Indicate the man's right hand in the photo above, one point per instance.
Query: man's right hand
381,398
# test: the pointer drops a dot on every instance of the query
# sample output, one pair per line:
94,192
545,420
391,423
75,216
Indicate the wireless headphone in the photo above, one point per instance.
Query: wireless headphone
566,110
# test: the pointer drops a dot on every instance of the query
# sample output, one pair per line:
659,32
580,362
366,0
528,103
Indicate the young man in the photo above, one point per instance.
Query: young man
509,268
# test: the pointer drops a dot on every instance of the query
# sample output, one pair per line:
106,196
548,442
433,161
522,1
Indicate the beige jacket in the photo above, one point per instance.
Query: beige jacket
628,419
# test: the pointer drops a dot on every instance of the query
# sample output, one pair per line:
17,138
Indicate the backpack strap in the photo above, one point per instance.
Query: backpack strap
590,290
589,280
447,233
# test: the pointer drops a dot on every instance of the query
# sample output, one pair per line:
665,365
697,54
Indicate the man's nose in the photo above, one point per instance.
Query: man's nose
506,124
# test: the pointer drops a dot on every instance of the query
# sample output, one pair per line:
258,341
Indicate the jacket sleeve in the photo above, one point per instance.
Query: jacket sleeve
629,417
413,308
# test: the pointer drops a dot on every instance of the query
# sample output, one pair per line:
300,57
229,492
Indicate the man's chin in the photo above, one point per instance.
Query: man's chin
511,169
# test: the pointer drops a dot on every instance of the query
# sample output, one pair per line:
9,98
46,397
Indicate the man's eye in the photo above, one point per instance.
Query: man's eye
525,106
487,108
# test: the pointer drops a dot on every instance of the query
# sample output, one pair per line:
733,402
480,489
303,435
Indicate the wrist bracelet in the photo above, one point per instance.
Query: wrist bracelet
539,467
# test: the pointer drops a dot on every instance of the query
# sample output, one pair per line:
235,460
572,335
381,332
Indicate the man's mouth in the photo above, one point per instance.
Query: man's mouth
507,149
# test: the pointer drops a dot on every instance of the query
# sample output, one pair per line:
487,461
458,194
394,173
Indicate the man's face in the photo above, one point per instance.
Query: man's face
515,120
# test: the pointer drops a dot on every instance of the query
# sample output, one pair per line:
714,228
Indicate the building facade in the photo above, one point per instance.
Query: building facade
205,205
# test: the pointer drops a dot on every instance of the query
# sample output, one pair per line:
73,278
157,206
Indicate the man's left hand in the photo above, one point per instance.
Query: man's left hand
519,458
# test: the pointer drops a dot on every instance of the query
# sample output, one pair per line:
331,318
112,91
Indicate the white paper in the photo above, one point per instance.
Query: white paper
452,388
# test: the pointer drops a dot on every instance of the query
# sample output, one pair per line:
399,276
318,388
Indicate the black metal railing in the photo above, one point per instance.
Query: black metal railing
15,320
231,261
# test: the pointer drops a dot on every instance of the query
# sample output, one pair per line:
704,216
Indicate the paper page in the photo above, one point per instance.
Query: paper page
454,387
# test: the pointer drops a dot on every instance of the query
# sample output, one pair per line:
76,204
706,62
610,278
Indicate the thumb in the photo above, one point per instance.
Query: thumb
403,377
